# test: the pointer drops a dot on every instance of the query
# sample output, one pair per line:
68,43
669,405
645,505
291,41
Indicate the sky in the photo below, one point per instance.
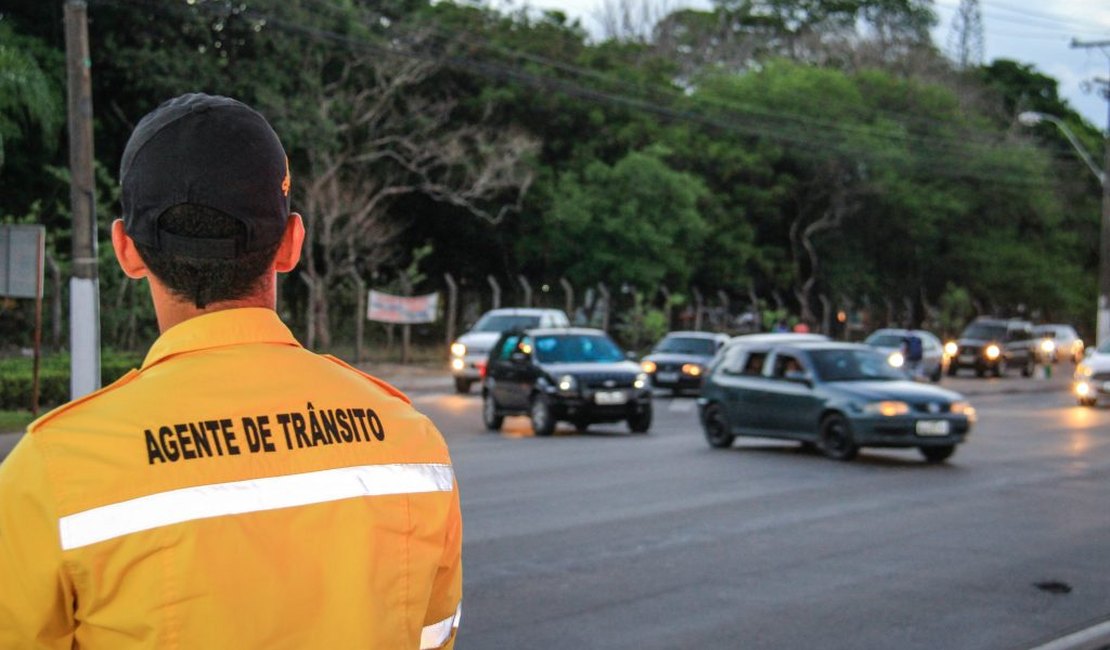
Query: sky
1029,31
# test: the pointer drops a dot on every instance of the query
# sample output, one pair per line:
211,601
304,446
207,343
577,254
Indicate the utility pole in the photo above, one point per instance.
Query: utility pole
84,298
1102,324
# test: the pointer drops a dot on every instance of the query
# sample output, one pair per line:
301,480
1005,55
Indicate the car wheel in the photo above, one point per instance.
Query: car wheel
836,440
935,377
937,454
640,422
716,428
490,416
543,423
462,385
581,426
953,369
1086,401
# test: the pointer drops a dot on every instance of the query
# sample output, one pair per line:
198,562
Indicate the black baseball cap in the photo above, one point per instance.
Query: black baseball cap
211,151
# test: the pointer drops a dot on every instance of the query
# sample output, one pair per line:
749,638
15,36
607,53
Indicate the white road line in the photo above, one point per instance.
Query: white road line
1097,636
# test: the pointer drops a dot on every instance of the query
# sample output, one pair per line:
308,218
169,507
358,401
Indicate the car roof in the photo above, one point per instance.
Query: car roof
553,331
522,311
899,331
1054,326
692,334
776,337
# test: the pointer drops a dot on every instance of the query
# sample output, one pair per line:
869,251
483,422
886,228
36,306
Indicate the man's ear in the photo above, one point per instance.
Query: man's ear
126,254
289,250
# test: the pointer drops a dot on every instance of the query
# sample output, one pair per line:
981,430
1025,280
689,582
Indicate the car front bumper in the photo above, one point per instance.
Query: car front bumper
905,431
586,408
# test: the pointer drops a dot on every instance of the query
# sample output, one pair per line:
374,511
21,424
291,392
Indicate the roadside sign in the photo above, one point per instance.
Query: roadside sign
21,260
22,256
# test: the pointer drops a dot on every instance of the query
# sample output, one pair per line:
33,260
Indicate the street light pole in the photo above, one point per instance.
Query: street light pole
1102,313
1103,324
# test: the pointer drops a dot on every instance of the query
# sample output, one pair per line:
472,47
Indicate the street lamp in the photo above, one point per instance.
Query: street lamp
1102,325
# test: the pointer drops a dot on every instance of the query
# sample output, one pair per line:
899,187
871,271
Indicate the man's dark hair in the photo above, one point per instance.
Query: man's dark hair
203,281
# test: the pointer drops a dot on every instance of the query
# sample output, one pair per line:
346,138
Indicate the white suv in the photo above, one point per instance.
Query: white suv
470,351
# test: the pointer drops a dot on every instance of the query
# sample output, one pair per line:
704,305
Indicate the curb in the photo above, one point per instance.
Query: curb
1096,637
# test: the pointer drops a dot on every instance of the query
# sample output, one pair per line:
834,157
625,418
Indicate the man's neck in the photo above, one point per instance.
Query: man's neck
171,310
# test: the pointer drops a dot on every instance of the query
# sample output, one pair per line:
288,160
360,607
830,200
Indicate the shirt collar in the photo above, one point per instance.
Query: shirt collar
219,329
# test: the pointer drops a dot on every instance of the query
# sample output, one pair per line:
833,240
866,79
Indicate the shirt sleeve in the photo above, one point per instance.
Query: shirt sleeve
36,596
441,623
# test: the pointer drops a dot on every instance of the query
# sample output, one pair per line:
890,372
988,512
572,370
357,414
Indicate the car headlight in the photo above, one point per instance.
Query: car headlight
458,349
950,348
457,364
1082,389
1083,370
648,366
692,369
963,408
992,351
641,380
568,384
888,408
1048,346
896,359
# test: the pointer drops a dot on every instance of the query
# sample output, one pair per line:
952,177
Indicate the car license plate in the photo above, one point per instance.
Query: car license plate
667,377
966,358
610,397
932,428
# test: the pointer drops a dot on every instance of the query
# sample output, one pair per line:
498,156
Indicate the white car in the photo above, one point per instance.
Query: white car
933,359
1059,342
470,351
1092,376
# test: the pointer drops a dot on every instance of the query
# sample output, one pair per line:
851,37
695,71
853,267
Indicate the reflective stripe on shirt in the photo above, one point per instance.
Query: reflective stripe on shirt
255,495
436,634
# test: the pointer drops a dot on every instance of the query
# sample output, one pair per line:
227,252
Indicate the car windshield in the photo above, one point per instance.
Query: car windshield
570,348
505,322
884,340
853,365
984,332
687,345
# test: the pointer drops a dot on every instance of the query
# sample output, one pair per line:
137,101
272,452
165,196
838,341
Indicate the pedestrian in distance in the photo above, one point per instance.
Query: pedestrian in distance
237,490
913,353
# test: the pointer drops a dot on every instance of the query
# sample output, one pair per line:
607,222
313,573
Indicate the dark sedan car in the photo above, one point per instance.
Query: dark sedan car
993,345
680,359
837,396
577,375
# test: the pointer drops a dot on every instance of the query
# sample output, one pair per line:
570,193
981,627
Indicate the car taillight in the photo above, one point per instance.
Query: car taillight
481,369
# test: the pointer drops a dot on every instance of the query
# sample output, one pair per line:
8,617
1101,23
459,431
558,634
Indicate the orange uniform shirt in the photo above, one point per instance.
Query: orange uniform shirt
237,491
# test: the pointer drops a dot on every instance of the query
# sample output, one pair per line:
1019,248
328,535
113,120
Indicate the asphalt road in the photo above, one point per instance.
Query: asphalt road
613,541
607,540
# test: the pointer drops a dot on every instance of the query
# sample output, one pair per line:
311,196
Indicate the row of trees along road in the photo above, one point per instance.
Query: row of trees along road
773,149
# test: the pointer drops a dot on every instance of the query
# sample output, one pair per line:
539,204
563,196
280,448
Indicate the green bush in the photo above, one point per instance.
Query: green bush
16,378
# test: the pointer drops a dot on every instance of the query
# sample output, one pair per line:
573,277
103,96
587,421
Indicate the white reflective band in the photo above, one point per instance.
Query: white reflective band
436,634
257,495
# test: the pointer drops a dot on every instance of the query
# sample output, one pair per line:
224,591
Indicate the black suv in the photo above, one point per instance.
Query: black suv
993,345
577,375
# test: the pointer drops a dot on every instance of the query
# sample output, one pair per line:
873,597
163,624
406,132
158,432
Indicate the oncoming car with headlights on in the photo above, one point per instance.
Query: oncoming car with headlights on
837,396
891,342
578,375
470,351
993,345
680,359
1092,376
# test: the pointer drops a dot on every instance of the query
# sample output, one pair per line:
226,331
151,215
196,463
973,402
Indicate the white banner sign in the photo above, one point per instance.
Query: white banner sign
386,308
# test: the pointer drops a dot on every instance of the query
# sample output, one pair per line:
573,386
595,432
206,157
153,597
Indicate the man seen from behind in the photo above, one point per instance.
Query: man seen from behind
237,490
